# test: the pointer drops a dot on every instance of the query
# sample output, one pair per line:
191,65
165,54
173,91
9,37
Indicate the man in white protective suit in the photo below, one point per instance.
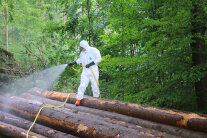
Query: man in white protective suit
89,57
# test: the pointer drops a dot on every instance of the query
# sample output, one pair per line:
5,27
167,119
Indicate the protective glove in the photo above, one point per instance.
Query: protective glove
90,64
72,63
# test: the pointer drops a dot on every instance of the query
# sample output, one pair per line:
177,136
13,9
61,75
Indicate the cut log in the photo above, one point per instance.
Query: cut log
66,122
15,132
121,125
139,122
187,120
25,124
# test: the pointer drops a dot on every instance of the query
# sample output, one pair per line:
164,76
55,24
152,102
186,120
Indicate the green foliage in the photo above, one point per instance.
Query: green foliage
145,45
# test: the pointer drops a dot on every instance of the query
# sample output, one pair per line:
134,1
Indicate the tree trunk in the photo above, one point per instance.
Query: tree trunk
42,57
7,38
135,49
199,51
7,28
122,28
6,18
166,116
89,21
69,122
122,118
25,124
16,132
64,16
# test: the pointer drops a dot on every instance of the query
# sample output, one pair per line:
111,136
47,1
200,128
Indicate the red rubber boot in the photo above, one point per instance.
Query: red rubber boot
77,102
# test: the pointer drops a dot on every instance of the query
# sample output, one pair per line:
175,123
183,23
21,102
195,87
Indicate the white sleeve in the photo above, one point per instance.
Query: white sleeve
78,61
97,57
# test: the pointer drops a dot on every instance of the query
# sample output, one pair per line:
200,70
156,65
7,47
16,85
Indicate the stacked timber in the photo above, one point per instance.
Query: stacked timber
95,117
25,124
187,120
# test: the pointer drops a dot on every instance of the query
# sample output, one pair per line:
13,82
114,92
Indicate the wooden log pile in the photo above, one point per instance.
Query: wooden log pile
9,69
95,117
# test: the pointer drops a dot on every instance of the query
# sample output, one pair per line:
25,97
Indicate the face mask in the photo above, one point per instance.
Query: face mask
83,49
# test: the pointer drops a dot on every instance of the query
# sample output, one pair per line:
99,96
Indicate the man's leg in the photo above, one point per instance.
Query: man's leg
94,85
82,87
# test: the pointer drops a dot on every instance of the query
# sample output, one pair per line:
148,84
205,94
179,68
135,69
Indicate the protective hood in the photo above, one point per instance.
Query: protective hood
84,44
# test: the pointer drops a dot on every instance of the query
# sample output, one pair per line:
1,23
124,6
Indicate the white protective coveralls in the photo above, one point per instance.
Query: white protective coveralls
90,54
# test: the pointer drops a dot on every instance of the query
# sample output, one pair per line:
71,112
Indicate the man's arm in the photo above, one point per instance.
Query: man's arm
97,57
78,61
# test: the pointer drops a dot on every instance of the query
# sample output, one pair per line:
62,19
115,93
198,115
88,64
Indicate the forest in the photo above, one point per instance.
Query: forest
154,51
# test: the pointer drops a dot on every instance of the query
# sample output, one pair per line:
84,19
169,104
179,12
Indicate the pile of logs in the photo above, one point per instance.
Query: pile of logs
9,69
95,117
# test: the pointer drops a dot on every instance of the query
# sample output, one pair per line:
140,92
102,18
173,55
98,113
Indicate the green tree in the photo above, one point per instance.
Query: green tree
198,45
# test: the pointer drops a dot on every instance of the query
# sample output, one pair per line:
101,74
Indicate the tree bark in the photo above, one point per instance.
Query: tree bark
16,132
25,124
199,51
69,122
122,118
106,120
171,117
